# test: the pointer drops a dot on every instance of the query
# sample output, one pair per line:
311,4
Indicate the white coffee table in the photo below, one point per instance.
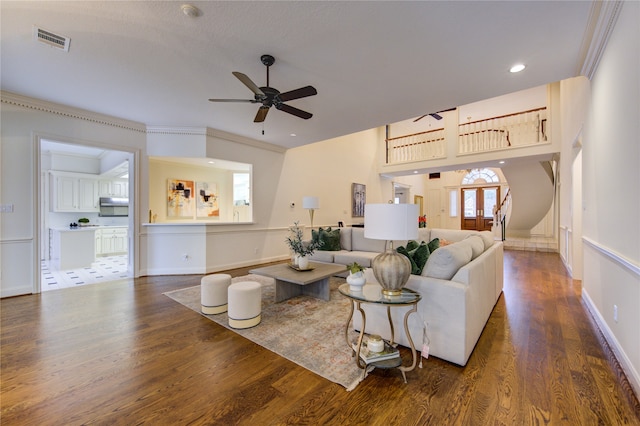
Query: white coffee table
290,282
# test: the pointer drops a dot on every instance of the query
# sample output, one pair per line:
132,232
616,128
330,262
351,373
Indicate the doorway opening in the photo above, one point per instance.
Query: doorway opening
81,242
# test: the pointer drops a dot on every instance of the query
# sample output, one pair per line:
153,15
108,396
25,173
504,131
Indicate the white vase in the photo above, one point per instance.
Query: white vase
303,262
356,281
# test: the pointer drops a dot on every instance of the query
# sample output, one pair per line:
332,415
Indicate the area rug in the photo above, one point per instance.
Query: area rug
305,330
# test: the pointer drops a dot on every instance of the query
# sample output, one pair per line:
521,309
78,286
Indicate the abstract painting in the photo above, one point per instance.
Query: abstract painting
207,199
180,198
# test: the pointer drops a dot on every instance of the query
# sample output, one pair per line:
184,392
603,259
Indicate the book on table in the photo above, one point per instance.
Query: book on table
389,352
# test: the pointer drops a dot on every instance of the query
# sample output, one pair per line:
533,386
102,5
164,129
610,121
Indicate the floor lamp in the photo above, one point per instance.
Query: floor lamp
391,222
311,204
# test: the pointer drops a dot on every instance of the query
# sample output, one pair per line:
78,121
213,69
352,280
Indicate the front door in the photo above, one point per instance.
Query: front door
477,207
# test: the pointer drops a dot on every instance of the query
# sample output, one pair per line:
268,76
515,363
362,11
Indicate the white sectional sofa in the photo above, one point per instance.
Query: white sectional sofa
460,284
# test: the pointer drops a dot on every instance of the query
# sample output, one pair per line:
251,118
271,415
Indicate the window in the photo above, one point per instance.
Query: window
480,176
453,203
241,189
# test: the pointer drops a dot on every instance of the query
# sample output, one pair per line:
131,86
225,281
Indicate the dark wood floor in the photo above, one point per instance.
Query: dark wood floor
123,353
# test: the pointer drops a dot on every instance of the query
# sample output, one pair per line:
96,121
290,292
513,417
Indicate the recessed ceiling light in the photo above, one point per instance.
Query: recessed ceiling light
501,162
415,172
293,134
517,68
211,162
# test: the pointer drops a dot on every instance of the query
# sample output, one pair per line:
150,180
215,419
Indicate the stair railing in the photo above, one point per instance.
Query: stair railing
500,215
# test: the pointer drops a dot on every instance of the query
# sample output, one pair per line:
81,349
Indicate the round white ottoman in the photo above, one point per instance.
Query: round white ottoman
245,304
213,293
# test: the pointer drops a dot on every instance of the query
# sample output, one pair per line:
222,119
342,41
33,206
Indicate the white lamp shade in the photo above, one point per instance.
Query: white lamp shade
311,203
391,221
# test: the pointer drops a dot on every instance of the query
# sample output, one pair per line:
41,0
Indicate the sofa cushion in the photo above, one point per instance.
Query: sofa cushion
345,238
330,238
477,245
364,258
487,238
453,235
360,243
445,261
323,256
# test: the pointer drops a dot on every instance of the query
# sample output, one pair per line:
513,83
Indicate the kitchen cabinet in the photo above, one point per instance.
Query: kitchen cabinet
112,241
72,248
72,193
114,188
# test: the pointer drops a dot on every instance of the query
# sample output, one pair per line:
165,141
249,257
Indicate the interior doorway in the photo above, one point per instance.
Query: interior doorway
73,179
477,207
400,193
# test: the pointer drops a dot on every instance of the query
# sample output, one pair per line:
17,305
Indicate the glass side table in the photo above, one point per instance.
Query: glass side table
372,293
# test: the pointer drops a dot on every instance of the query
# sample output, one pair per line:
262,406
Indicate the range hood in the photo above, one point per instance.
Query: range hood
114,202
114,207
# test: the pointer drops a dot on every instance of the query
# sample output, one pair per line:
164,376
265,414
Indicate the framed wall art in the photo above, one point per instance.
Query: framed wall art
358,199
180,196
207,200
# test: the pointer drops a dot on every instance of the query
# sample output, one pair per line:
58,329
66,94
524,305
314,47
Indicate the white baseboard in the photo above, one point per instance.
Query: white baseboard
625,363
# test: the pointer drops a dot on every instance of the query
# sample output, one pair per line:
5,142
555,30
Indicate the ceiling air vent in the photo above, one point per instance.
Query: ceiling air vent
51,39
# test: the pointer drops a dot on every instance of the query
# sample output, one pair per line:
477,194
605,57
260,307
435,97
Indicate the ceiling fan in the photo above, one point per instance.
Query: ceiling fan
268,96
435,115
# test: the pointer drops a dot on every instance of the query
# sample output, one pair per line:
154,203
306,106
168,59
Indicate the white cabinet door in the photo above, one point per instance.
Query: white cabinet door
120,189
113,241
88,195
65,194
120,241
105,188
72,193
98,242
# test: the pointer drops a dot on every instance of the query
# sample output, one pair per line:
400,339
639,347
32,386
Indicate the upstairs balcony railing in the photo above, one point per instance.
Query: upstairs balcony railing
416,147
497,133
511,130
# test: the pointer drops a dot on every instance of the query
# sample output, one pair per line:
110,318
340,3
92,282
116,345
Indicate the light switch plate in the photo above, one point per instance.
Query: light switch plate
6,208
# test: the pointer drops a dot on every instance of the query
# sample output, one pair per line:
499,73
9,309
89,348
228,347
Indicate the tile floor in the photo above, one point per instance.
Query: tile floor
104,269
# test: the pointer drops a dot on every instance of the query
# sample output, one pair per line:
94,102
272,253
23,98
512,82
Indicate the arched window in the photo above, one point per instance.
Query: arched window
480,176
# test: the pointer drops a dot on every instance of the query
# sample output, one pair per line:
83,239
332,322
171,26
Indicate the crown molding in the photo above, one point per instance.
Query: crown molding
182,131
71,112
67,111
602,19
220,134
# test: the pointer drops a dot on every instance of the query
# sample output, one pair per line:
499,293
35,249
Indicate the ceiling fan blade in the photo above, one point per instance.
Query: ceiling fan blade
261,115
294,111
302,92
253,101
435,115
247,82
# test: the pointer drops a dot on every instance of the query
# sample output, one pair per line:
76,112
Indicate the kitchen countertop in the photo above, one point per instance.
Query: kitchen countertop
86,228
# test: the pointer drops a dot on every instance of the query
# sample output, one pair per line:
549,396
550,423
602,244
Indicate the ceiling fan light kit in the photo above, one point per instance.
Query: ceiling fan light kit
269,96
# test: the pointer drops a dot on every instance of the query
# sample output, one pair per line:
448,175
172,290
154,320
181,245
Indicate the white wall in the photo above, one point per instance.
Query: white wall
611,192
23,121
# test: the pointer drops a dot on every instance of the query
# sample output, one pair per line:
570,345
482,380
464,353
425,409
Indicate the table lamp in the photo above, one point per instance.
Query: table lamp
310,203
391,222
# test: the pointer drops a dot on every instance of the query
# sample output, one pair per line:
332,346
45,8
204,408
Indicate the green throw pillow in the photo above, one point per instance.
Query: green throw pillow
330,238
417,255
433,244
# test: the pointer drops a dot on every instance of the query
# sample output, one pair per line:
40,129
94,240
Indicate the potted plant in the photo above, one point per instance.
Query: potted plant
356,277
299,247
